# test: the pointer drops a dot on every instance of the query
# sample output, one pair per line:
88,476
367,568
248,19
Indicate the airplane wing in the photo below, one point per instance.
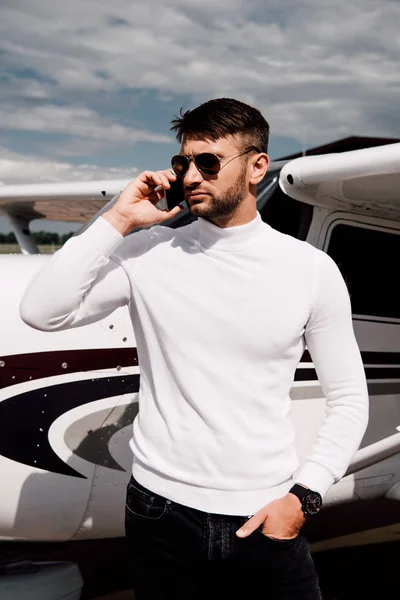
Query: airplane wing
75,201
366,181
81,202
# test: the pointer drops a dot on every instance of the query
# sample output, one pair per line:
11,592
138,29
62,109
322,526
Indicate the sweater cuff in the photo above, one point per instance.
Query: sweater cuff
316,477
101,237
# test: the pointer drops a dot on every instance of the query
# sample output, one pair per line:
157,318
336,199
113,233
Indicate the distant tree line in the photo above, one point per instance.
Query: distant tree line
40,237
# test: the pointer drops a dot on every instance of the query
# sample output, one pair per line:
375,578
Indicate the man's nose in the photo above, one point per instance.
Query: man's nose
193,175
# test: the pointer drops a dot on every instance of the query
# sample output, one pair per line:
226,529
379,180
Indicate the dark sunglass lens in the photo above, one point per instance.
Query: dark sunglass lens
180,164
208,163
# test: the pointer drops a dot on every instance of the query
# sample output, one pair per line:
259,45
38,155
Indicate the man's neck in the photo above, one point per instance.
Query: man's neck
244,213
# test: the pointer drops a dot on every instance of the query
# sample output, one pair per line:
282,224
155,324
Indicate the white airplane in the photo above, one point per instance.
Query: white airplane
68,398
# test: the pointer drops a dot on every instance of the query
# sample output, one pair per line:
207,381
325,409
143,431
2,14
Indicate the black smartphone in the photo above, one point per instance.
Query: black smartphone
175,195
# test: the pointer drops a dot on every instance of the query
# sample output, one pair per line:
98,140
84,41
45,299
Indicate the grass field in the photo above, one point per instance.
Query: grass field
15,249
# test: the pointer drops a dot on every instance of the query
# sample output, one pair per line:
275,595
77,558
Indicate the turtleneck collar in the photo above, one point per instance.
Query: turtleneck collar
211,236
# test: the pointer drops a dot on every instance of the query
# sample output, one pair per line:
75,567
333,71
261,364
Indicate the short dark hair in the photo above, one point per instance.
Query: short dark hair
221,117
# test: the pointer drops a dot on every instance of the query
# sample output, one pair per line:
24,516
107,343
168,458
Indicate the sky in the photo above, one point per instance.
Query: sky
88,88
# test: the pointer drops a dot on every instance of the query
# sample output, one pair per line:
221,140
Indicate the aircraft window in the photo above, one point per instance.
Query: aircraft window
367,260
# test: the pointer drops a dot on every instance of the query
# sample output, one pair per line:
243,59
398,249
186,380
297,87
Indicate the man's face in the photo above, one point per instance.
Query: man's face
216,196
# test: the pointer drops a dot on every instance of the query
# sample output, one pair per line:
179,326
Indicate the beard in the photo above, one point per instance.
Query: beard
220,206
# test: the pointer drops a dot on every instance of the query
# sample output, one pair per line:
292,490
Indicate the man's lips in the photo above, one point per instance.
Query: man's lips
196,195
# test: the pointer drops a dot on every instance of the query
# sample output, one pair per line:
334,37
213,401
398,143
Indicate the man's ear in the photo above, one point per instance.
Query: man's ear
258,166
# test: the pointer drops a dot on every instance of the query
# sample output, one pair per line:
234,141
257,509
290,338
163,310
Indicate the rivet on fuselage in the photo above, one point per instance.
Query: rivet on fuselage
111,326
119,368
2,363
64,365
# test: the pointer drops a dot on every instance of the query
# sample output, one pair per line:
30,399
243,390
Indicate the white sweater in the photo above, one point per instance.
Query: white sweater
221,318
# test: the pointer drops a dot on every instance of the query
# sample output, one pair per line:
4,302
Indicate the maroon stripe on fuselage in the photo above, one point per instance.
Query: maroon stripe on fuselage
19,368
306,357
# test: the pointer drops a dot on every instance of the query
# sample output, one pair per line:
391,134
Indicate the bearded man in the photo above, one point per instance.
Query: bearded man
222,310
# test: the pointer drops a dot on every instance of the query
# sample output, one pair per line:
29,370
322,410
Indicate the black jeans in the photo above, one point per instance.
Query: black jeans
181,553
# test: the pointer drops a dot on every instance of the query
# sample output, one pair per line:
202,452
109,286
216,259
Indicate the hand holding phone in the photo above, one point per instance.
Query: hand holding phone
136,205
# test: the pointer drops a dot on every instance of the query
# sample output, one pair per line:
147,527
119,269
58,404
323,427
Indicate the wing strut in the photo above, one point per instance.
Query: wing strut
20,227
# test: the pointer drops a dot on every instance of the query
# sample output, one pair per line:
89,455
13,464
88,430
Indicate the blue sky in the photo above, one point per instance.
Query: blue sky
88,87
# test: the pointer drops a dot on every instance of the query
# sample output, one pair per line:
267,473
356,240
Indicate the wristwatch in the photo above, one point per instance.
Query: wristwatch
311,501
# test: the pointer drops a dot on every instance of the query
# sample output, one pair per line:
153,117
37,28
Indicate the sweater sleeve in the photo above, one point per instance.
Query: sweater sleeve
82,282
337,359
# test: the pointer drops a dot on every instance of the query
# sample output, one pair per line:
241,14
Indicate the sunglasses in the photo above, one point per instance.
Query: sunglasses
206,162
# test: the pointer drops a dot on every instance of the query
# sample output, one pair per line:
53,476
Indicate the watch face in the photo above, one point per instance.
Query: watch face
312,503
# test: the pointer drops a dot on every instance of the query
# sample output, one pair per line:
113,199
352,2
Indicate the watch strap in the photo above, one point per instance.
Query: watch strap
299,491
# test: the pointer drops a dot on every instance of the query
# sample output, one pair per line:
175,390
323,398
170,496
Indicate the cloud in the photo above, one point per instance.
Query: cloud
75,121
19,168
318,70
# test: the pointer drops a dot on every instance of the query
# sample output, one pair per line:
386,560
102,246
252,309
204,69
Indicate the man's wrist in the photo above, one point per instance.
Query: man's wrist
121,224
295,499
310,501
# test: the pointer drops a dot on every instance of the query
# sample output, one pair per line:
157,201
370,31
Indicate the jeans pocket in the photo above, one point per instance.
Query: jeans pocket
144,504
290,542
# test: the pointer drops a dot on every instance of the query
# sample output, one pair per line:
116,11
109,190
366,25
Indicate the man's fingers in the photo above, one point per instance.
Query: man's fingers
251,525
170,175
163,178
164,181
148,184
168,214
